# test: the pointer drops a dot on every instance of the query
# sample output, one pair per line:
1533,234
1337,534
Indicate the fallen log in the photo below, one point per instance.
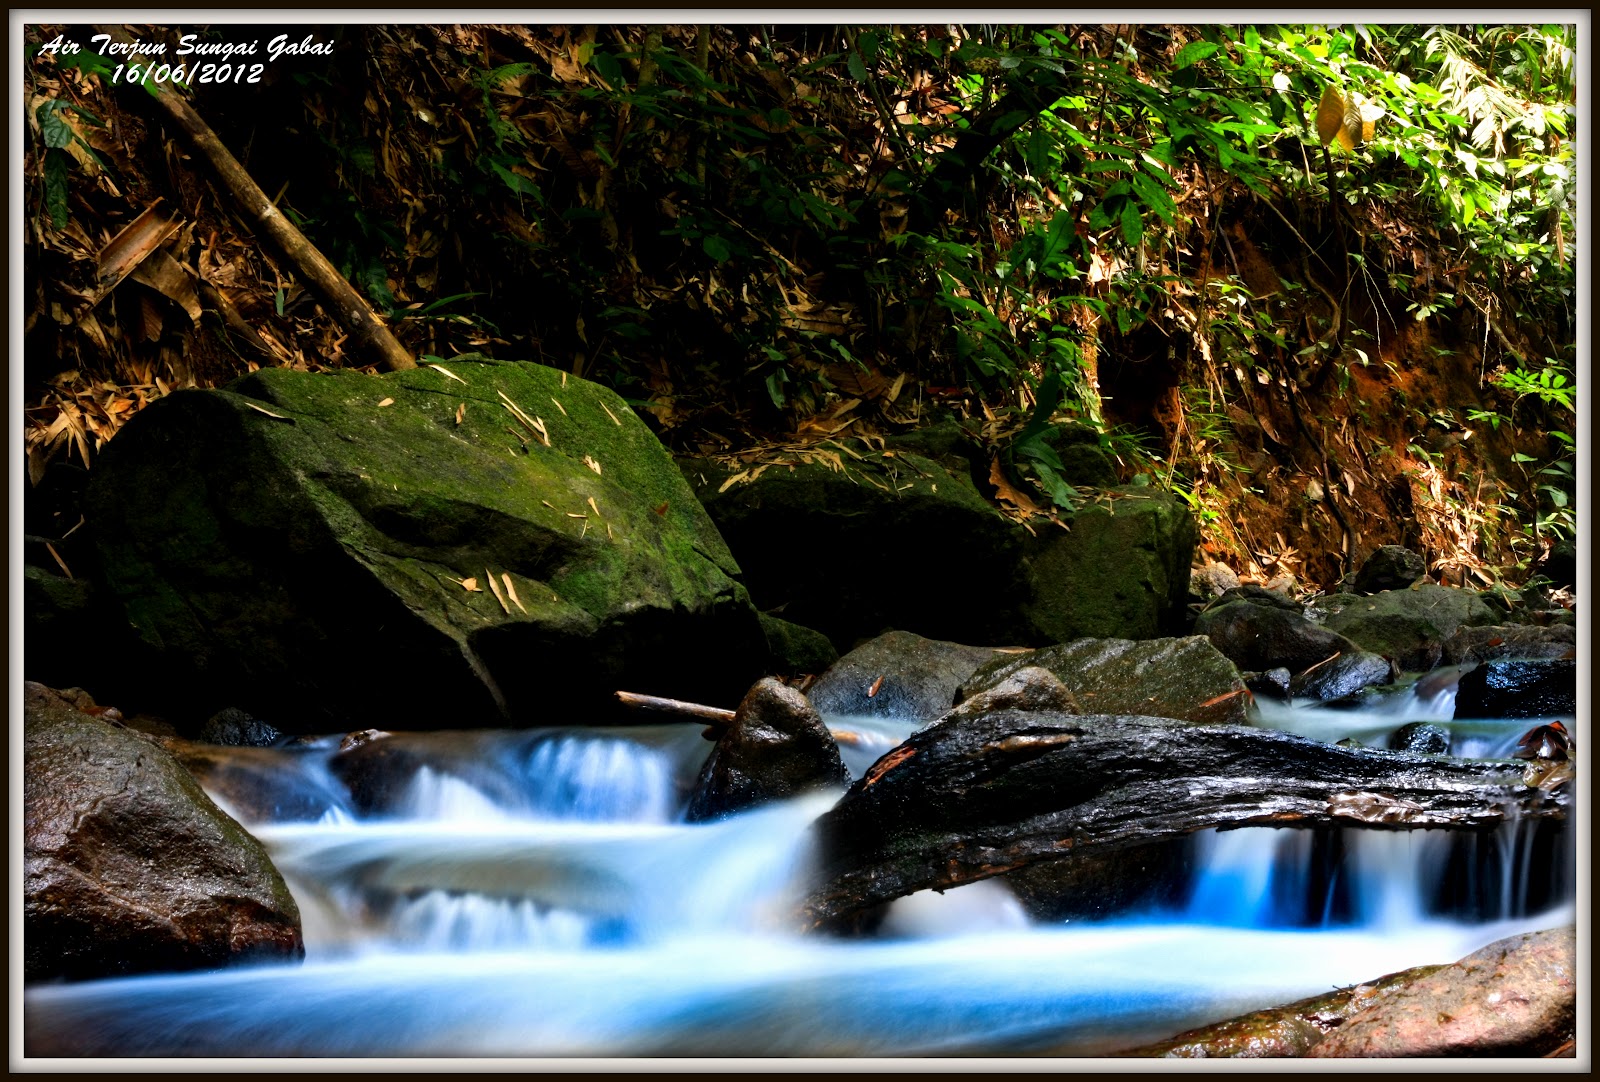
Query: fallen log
372,341
979,797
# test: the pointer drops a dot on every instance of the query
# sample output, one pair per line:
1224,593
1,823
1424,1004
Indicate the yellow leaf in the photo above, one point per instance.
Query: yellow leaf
386,402
560,407
446,371
495,586
471,586
461,413
1330,114
591,463
611,415
596,507
511,592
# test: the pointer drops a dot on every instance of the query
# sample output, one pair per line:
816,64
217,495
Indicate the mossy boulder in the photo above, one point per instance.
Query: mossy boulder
793,650
852,545
463,544
1410,626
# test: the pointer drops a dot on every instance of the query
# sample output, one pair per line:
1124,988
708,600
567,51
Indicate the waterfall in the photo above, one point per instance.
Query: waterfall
538,894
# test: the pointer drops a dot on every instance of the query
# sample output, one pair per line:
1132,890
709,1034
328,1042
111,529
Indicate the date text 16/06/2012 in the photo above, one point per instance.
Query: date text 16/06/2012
191,45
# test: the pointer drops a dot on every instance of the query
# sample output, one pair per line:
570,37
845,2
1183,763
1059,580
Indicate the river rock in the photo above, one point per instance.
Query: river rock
1258,637
322,548
1345,675
777,746
1420,737
1516,641
1519,689
128,866
1258,595
1186,679
1027,688
1409,627
1212,581
236,728
898,675
1272,684
1515,997
793,649
1277,1032
1390,567
930,554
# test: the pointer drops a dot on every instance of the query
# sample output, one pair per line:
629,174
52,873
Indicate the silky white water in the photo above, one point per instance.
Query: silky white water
538,895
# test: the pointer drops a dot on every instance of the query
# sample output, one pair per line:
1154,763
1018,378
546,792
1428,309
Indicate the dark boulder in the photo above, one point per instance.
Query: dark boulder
793,649
776,747
1519,689
128,866
1121,568
1421,738
1390,567
441,547
1211,581
1259,637
1514,641
1258,595
897,675
1409,627
236,728
1186,679
1272,684
1515,997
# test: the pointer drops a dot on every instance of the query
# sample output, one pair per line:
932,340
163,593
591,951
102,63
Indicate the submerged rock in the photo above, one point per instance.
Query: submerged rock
128,866
258,785
1390,567
440,547
1420,737
776,747
1186,679
1519,689
237,729
1121,568
898,675
1515,997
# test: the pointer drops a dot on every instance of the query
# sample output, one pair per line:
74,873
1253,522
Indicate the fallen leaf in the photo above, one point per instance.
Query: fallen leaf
661,509
269,413
386,402
470,585
873,690
511,592
560,407
495,586
611,415
591,463
596,507
1006,491
446,371
461,413
64,568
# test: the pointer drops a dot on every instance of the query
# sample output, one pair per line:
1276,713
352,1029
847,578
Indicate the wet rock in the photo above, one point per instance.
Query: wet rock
128,866
1420,737
1212,581
898,675
1272,684
236,728
1027,688
1122,567
1519,641
1390,567
1104,886
1519,689
793,649
1186,679
776,747
1291,1030
1409,627
379,769
1515,997
1343,676
291,546
1258,637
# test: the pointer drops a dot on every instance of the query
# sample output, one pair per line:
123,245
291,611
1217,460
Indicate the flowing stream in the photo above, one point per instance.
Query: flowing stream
536,894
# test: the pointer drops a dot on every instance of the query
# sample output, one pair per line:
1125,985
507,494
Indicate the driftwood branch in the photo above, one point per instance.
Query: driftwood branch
968,800
371,340
714,714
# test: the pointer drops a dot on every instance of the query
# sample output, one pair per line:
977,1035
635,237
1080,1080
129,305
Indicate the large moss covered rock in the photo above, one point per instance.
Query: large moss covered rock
128,866
1410,626
462,544
858,544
